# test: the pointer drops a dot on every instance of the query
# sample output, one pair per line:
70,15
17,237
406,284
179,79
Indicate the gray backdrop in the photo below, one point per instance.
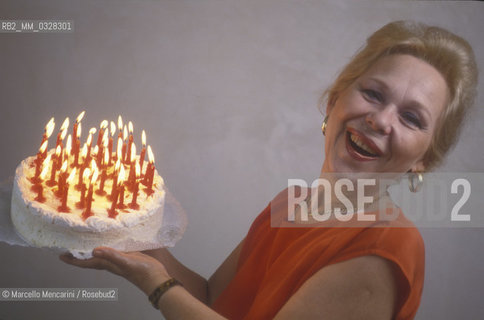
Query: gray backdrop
227,92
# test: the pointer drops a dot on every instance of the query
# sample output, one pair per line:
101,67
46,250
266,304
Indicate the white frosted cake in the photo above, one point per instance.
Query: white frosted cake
42,225
80,198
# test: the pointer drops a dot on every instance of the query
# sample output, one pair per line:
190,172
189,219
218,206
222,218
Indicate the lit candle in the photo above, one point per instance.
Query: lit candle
150,171
76,134
110,144
62,180
77,145
99,155
92,132
39,188
100,191
78,119
62,133
82,201
68,149
121,180
47,133
95,154
132,168
143,149
112,213
49,128
38,162
55,163
133,205
120,134
115,180
102,127
125,136
87,213
104,147
63,207
130,141
84,155
119,150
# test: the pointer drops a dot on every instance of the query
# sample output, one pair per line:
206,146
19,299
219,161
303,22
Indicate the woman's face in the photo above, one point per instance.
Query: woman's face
385,120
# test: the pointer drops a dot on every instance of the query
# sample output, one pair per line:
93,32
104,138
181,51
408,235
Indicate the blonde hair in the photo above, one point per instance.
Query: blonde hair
451,55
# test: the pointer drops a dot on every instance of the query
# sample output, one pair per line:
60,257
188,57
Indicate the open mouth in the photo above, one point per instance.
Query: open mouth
359,146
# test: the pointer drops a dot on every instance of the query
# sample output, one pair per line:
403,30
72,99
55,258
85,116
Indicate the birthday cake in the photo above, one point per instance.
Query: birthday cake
78,200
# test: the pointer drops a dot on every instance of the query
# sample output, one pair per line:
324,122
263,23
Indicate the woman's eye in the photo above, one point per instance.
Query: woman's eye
412,119
372,95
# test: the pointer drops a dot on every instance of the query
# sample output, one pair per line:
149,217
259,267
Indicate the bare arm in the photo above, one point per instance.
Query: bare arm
360,288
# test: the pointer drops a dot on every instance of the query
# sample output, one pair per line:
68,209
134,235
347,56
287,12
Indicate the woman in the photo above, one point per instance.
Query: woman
395,108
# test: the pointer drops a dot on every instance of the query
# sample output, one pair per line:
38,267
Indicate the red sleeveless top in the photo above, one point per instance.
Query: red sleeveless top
275,261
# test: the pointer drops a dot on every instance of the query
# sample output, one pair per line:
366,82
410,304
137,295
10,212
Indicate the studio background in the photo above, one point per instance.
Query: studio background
227,92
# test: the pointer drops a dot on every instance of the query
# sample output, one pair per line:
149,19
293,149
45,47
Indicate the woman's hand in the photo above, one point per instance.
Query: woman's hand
140,269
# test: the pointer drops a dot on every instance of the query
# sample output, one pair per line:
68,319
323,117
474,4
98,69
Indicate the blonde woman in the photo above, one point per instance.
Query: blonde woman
395,108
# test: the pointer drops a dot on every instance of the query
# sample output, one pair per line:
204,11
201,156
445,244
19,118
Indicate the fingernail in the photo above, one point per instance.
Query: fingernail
97,252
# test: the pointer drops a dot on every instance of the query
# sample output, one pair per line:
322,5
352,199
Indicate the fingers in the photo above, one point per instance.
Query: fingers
93,263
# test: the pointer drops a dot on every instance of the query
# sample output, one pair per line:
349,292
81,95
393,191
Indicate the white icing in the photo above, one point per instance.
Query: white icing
42,225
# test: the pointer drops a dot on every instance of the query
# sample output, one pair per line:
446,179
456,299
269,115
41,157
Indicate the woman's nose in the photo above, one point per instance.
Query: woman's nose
382,120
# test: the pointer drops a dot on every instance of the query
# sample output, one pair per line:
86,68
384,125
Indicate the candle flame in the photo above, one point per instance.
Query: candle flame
95,150
46,162
84,151
80,116
69,144
79,130
133,153
64,166
119,150
117,165
104,124
143,138
44,171
71,176
65,124
64,127
151,157
94,176
92,131
89,139
86,174
106,155
137,169
122,175
43,146
57,151
130,127
113,128
49,128
93,164
105,138
120,123
125,133
63,133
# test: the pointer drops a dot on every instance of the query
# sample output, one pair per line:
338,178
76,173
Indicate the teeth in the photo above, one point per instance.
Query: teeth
361,144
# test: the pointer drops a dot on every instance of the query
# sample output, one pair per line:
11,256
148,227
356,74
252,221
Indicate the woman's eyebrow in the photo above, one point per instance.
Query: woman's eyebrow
412,103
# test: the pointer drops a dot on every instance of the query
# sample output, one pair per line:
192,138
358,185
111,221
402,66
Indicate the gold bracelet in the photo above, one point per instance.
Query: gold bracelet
155,296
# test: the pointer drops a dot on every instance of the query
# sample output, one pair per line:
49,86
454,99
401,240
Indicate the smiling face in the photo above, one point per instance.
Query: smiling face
384,121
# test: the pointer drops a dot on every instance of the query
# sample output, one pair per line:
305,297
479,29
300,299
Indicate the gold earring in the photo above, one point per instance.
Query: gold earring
324,125
415,181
